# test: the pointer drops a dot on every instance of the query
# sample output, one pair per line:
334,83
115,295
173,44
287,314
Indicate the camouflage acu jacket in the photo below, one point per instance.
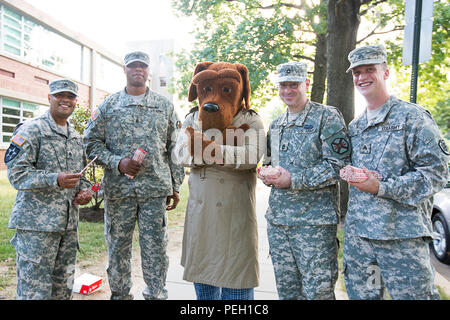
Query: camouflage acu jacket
313,148
403,144
40,150
118,127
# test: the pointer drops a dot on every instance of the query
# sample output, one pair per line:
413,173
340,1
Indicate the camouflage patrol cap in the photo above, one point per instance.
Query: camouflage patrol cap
137,56
375,54
292,71
63,85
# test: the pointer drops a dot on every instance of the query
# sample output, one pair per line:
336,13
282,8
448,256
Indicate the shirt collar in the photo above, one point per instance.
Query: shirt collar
300,118
381,117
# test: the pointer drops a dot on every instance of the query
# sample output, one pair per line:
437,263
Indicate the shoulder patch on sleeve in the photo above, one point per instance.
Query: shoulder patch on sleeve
340,145
94,115
11,152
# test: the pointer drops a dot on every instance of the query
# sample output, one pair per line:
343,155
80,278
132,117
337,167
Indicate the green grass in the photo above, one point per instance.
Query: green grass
443,294
91,235
340,236
7,197
176,216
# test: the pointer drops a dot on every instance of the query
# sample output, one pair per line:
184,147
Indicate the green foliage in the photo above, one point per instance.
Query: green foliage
247,32
80,117
7,197
262,34
433,89
91,235
94,174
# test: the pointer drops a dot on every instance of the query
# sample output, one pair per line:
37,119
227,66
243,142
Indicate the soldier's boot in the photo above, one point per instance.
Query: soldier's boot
118,296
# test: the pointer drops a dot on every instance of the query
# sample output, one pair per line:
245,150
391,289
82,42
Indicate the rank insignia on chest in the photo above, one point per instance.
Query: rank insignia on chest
366,149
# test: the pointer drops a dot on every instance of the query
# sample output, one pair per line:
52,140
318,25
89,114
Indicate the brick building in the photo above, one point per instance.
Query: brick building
36,49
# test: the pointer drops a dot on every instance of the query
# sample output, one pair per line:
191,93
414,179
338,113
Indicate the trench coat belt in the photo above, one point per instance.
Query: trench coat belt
203,171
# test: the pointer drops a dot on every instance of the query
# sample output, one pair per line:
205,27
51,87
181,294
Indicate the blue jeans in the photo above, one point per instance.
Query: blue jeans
208,292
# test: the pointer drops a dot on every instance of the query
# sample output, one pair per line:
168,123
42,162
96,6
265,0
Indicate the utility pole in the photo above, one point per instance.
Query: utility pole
416,49
417,40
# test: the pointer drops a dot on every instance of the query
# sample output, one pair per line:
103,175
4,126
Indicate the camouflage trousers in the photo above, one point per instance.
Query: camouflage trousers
403,267
304,260
45,264
120,221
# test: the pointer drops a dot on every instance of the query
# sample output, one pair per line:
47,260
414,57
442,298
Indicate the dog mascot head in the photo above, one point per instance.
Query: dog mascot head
222,89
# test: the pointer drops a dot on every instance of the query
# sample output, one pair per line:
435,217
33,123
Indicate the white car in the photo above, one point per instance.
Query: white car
440,218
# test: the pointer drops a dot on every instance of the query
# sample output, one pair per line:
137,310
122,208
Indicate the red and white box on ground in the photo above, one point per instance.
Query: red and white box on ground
87,284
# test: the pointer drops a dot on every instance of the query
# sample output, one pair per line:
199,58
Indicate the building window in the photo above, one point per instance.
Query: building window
34,43
14,112
110,75
163,82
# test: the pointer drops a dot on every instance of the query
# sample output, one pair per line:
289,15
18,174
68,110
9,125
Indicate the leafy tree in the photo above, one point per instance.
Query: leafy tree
258,36
262,34
94,173
433,85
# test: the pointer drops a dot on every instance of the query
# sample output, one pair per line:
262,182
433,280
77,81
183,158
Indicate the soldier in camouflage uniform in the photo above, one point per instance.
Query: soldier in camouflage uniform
44,160
133,118
388,227
310,144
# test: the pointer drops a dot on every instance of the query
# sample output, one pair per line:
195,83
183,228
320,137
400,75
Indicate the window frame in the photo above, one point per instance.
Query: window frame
20,117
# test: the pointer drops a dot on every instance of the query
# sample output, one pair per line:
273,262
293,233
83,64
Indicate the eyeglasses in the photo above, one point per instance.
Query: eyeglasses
291,85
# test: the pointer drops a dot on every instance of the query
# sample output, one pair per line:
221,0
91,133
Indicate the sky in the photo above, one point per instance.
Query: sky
112,24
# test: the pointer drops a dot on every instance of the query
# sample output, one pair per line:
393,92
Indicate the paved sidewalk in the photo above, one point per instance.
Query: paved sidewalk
179,289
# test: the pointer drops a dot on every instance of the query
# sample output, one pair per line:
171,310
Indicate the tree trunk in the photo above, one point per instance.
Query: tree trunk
342,28
320,69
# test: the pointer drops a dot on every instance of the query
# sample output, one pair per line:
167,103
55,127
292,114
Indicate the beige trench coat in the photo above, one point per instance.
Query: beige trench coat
220,240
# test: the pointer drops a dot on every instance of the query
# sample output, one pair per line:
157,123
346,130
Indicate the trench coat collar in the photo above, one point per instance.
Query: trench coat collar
196,126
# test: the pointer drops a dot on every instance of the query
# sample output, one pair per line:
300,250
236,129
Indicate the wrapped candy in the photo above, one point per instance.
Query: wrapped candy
354,174
139,156
269,172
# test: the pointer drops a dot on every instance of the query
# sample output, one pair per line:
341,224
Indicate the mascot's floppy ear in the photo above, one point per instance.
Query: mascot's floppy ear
193,89
246,84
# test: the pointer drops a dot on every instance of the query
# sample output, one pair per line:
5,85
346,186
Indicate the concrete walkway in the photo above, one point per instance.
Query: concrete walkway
179,289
